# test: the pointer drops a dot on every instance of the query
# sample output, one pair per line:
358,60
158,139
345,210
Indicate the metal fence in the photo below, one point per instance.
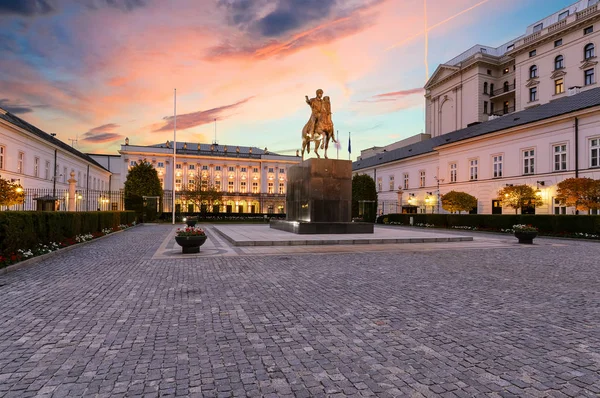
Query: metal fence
96,200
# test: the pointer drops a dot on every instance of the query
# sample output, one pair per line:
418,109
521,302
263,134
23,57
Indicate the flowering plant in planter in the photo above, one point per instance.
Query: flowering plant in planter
190,231
524,228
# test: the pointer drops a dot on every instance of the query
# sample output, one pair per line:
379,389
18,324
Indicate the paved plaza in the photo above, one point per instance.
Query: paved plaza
129,315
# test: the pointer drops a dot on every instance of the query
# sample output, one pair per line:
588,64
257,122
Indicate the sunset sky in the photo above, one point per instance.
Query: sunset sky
103,70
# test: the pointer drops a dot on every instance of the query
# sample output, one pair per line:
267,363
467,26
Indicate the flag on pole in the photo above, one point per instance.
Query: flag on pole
349,145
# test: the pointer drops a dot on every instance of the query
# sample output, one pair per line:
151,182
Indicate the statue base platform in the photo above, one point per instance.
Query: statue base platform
315,228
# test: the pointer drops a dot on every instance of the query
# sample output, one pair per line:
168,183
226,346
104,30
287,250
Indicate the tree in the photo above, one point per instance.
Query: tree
454,201
142,180
581,193
519,196
202,195
10,193
363,189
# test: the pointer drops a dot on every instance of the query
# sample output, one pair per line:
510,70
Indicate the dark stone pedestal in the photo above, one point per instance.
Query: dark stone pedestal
319,199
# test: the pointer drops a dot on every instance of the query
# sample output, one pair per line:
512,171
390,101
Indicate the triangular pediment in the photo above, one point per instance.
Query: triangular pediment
532,82
588,64
558,73
440,73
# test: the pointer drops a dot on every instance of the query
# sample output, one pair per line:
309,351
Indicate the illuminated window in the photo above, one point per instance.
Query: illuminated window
255,187
559,86
270,188
281,188
243,187
230,187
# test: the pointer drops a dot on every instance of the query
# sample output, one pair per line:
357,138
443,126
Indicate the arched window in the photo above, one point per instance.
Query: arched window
485,86
559,62
506,87
533,71
588,51
491,88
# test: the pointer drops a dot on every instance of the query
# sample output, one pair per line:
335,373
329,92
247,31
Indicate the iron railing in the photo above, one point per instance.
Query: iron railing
504,89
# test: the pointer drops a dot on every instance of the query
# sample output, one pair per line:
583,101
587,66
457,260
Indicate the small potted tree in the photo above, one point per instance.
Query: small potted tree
525,233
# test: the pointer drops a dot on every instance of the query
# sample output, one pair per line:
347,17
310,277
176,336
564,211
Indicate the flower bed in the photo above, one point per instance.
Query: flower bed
41,249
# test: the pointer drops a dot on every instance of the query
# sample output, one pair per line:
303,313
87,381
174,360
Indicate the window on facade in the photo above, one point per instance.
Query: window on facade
47,171
588,76
271,170
588,30
178,166
191,167
255,187
20,161
391,183
497,165
230,187
485,107
558,43
255,170
489,72
422,178
178,184
204,185
538,27
589,51
473,169
65,175
162,183
559,62
560,157
533,71
36,167
281,171
204,167
532,53
485,88
563,15
405,180
281,188
217,168
595,152
453,172
161,165
231,168
533,94
243,187
244,169
79,182
379,185
510,47
529,161
558,208
492,89
132,163
191,184
559,86
218,185
2,152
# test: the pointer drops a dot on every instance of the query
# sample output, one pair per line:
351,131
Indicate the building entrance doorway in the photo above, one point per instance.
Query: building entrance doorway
496,207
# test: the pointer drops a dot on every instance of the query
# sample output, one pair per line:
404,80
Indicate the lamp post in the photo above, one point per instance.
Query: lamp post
439,196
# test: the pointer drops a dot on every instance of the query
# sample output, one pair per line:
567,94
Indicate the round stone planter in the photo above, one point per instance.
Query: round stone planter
526,237
190,244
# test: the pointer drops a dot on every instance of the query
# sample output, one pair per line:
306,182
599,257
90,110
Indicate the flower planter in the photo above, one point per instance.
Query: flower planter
191,223
526,237
190,244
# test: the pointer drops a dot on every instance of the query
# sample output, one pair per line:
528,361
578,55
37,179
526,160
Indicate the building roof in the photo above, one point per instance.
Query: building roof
566,105
217,150
17,121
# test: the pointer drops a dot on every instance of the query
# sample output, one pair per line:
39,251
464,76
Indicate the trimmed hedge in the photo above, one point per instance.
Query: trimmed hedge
549,224
24,230
223,216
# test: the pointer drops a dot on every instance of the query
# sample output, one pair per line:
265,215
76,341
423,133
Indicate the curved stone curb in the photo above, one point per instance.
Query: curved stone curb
34,260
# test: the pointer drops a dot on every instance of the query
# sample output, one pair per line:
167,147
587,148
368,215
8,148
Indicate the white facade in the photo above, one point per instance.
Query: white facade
37,160
555,55
539,154
252,180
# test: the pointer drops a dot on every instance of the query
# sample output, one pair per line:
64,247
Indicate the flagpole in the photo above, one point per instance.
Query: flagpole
174,146
338,145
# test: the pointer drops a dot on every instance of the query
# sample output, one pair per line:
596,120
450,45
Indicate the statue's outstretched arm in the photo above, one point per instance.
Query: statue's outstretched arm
307,100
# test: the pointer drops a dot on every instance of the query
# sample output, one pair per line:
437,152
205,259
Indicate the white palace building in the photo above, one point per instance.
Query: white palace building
527,112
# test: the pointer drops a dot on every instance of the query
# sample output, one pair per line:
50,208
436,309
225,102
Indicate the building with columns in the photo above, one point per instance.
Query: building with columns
252,180
555,55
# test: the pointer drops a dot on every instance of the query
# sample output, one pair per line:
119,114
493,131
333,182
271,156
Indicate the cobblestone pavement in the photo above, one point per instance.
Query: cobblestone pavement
109,319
